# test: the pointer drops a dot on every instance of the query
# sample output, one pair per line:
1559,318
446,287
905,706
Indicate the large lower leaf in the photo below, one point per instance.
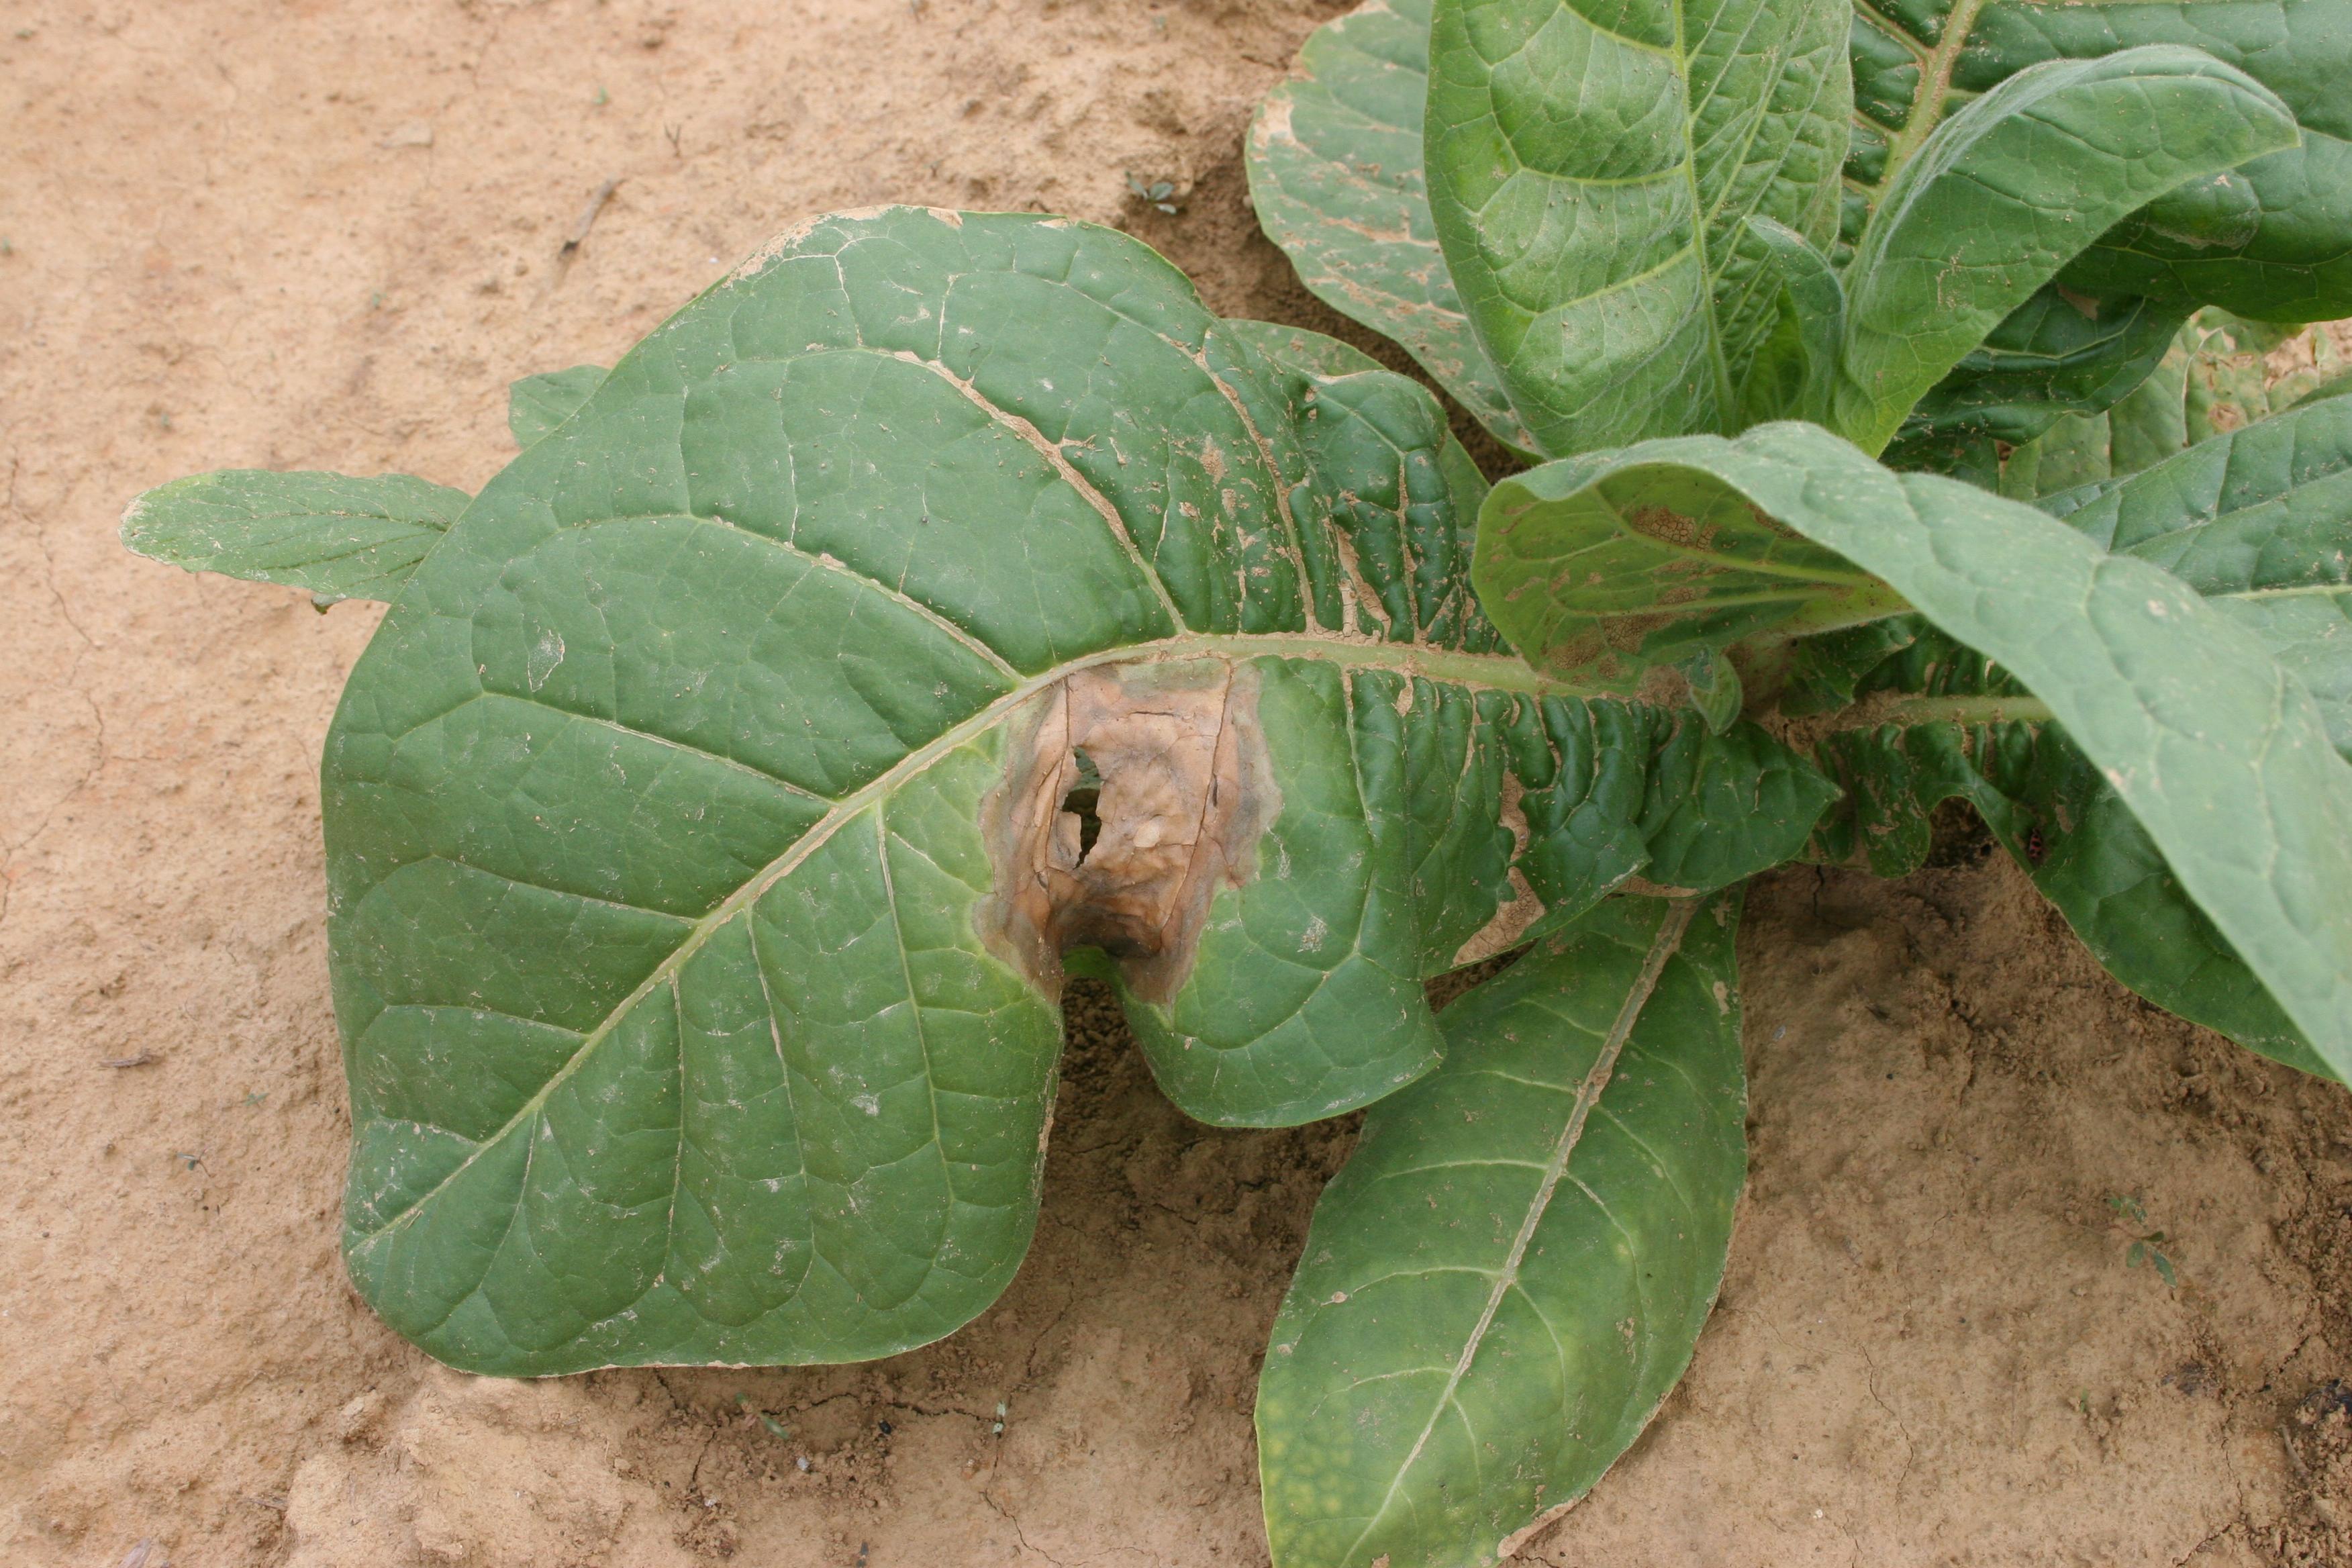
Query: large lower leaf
1592,178
1512,1270
1334,161
2222,757
2009,189
707,821
341,538
2272,237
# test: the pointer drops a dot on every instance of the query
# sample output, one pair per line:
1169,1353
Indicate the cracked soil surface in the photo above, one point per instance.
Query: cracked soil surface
326,235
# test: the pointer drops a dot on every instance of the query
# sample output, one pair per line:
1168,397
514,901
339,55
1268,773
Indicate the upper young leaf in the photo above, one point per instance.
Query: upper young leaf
2268,239
2009,189
1333,162
341,538
1591,181
1513,1267
706,823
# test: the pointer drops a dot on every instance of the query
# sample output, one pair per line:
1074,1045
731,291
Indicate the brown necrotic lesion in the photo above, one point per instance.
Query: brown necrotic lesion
1131,794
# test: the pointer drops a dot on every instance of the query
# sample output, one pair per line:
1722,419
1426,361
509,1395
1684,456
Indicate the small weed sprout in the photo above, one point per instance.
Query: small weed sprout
1160,193
2145,1244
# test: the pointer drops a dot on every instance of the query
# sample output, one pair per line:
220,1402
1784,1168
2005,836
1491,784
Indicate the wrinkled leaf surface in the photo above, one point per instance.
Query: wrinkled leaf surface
1591,178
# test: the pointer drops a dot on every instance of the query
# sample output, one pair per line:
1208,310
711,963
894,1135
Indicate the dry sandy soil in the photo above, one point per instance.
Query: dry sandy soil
327,234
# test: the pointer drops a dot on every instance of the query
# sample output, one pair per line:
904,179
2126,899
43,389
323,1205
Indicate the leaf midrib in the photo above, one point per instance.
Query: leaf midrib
1503,672
1910,710
2295,591
1724,393
1928,103
1663,947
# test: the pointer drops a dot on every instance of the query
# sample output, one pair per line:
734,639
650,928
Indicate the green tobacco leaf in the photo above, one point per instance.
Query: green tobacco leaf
1823,673
1334,161
1937,721
2331,385
341,538
2060,353
2222,757
2009,189
2150,423
2112,884
2075,451
1512,1270
537,403
2259,522
2310,635
706,823
1716,687
2219,374
1592,178
1922,721
2238,372
2272,237
1604,567
2256,522
1613,790
1796,367
1400,486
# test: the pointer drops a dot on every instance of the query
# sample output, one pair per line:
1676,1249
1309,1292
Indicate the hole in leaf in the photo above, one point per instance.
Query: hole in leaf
1957,835
1127,870
1085,796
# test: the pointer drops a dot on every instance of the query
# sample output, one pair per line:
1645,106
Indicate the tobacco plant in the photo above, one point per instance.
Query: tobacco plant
947,603
1794,309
